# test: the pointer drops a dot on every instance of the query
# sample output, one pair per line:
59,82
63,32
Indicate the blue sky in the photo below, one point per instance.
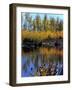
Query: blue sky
33,15
49,15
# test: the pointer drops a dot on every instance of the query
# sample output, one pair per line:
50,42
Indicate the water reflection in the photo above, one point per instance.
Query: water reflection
42,62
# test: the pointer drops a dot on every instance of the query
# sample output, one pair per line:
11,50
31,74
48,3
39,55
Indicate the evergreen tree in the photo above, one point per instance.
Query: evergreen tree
45,23
38,23
57,24
61,25
30,26
52,24
34,25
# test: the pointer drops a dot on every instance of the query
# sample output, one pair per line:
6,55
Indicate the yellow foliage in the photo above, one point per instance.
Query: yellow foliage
40,35
46,52
52,51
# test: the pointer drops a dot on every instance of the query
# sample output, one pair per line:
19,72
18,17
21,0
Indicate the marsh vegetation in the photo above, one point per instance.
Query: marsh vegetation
42,45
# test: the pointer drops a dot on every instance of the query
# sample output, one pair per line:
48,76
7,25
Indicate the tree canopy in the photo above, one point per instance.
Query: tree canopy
45,24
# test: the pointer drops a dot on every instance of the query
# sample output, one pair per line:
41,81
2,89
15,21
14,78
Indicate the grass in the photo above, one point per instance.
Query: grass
41,35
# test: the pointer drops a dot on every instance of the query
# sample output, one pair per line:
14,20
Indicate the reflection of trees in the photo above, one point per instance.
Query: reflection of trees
36,60
44,60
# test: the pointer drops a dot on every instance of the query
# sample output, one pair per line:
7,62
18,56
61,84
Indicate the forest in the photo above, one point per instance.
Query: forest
38,28
37,31
42,24
42,45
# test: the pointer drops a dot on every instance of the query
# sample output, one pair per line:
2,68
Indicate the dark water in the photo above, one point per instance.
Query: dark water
42,62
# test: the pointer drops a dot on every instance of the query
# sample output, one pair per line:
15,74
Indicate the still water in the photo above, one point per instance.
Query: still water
42,62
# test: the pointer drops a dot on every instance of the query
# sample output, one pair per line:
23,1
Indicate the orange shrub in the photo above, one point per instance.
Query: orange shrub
40,35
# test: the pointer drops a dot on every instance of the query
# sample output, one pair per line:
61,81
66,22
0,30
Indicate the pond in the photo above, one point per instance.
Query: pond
42,61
